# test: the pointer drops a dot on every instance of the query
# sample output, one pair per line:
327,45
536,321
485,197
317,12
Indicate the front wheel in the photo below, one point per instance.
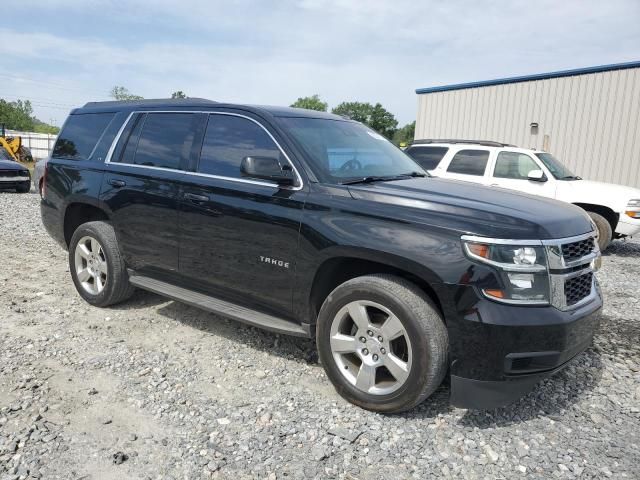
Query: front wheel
382,343
604,230
97,268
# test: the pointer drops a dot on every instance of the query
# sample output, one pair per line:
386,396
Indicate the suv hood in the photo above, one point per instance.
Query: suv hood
610,195
10,165
475,209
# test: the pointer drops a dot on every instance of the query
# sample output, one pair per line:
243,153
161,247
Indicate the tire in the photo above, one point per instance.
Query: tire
605,232
101,259
422,348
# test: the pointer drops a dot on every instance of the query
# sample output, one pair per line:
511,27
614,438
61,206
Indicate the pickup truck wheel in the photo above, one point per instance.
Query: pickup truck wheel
605,233
96,266
382,343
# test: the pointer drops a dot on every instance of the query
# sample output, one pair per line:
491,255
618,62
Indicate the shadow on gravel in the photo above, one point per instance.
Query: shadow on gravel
550,398
623,248
285,346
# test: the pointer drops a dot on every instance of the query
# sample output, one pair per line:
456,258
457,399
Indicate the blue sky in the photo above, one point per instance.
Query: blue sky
63,53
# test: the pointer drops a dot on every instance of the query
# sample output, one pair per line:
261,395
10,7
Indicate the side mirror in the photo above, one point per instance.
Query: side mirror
537,176
267,168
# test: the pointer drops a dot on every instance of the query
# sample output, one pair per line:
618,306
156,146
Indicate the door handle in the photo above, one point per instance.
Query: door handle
117,183
194,197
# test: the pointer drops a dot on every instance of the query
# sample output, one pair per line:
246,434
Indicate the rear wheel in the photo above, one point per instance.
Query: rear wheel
97,268
382,343
604,230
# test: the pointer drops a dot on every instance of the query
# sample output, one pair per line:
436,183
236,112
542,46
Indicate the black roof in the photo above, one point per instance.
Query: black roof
201,103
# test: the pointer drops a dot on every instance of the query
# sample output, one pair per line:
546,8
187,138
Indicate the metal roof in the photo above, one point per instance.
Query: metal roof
192,103
530,78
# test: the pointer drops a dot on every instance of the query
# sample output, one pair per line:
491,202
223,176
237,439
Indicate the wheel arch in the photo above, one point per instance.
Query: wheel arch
338,269
81,211
611,216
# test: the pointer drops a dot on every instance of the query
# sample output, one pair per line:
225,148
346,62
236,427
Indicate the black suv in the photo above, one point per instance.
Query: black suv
309,224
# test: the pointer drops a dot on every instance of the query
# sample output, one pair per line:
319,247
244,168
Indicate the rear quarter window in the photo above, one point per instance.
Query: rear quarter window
80,135
427,157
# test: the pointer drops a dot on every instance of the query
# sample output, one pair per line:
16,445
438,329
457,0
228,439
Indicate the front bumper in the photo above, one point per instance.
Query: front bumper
627,226
500,352
14,182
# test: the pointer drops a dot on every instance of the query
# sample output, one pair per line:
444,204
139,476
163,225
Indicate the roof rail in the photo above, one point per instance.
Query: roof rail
486,143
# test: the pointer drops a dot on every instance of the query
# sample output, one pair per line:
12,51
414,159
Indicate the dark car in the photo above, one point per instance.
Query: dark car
13,175
308,224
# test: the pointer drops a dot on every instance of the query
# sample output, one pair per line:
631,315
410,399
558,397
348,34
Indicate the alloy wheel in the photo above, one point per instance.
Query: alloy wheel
91,265
371,347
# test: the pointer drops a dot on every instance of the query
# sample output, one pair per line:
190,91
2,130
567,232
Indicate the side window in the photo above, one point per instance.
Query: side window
514,165
165,139
159,140
469,162
427,157
228,139
126,151
80,135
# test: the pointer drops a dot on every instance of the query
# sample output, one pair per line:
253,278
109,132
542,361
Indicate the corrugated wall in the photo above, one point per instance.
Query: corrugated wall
591,122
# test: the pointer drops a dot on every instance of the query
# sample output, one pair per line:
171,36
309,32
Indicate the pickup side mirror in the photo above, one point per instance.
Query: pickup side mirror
537,176
267,168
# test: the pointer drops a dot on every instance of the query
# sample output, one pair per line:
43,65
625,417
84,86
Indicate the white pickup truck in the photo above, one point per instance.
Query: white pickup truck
615,209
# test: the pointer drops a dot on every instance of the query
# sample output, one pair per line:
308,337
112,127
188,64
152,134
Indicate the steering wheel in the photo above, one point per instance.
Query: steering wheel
349,165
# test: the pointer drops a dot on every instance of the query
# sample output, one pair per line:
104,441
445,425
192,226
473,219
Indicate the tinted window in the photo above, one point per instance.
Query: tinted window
342,150
164,140
131,134
80,135
514,165
469,162
427,157
228,140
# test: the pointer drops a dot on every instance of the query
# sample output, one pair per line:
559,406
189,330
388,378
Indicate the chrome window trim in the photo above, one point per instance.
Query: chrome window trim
207,175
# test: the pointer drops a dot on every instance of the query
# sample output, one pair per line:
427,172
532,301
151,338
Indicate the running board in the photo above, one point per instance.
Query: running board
221,307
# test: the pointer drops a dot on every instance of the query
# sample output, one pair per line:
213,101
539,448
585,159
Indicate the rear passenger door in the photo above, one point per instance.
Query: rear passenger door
142,185
468,164
239,236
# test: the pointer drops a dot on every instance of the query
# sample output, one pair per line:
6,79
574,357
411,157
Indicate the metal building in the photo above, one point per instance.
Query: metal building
589,118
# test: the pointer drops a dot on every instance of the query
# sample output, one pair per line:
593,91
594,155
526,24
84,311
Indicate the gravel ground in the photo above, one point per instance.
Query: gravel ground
156,389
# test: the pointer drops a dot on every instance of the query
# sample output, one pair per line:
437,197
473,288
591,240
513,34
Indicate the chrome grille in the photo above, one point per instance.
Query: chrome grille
577,250
578,288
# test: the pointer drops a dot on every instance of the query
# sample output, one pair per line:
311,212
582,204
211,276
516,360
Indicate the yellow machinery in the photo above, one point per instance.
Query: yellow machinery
14,147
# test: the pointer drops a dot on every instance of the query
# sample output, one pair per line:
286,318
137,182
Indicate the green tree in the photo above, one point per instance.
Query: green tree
405,134
311,103
178,94
122,93
358,111
17,115
374,116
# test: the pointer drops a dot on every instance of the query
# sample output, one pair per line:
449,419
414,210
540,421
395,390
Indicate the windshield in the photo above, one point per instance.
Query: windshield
344,150
557,169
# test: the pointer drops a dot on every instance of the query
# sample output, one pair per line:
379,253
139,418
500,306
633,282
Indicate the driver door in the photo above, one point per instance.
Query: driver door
511,170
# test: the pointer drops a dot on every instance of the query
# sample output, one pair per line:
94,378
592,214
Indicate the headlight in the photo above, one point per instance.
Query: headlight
633,208
522,270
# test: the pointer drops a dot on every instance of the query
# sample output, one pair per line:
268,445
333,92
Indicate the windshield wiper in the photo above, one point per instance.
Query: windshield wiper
388,178
571,177
415,174
370,179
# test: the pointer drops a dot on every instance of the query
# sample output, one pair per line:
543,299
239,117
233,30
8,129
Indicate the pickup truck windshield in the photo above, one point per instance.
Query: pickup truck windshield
557,169
345,151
